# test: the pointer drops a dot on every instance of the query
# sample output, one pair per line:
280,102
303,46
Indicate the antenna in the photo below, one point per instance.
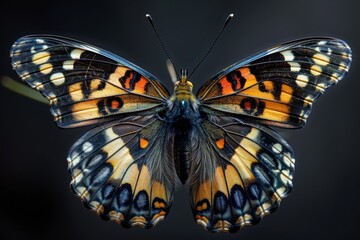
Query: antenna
161,43
231,15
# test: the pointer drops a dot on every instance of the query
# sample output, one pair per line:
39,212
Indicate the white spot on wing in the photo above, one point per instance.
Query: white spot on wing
345,55
309,99
321,59
343,67
277,148
76,53
102,175
288,55
39,40
335,77
284,179
75,161
321,86
57,78
294,66
51,95
286,159
95,160
46,68
40,58
87,147
78,176
329,51
68,65
302,80
158,219
287,173
315,70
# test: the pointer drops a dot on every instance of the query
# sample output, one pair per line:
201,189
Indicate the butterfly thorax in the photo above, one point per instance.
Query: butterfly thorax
183,103
183,117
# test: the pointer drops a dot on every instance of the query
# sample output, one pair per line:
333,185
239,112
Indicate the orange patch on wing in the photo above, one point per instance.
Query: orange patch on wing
75,91
203,206
131,175
269,86
247,105
220,143
84,108
276,111
249,77
119,72
232,176
118,217
242,160
144,181
159,204
115,104
143,143
218,182
140,86
286,93
226,87
160,214
255,91
202,192
158,190
244,71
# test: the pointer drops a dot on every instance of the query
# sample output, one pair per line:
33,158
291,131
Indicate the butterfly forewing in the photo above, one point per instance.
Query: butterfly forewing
83,83
278,86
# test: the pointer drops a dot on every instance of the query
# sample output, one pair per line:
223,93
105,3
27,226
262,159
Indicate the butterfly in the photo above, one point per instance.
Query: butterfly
145,139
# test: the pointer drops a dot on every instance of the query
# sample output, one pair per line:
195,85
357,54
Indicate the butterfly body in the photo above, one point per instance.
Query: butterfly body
183,119
219,140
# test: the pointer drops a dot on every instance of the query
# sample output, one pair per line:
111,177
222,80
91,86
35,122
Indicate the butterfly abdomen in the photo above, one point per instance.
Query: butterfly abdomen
182,118
182,154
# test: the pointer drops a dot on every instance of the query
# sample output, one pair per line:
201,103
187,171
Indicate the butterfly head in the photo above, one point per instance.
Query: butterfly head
183,85
183,100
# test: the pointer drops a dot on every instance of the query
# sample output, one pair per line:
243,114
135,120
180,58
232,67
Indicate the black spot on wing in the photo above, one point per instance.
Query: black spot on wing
124,197
220,205
237,197
141,201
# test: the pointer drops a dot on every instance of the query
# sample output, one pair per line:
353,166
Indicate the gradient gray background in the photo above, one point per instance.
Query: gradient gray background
36,202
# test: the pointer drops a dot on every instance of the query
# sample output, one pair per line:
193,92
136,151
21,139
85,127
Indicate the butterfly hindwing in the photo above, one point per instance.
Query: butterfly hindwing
248,171
83,83
120,172
278,86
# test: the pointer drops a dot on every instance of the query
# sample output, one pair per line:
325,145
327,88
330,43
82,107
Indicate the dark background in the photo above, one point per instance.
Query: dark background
36,202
